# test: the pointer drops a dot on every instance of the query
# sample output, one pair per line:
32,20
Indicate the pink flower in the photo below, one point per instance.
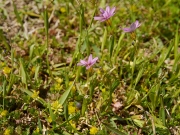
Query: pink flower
133,27
117,106
90,62
105,14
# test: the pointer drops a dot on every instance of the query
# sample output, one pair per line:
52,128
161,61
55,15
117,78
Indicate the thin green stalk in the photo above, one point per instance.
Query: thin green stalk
47,38
17,15
4,91
118,47
134,64
162,110
104,39
87,44
92,19
81,18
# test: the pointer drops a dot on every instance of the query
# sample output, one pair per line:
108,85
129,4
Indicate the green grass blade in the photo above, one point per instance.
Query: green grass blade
140,73
17,15
164,55
116,131
104,39
162,111
52,115
39,125
118,47
84,106
111,46
37,72
23,72
65,95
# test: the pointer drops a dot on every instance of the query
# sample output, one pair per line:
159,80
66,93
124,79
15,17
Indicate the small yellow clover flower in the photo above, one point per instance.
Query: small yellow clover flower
2,64
56,107
49,119
35,94
59,80
36,131
62,9
7,132
93,130
6,70
103,90
71,108
58,87
4,113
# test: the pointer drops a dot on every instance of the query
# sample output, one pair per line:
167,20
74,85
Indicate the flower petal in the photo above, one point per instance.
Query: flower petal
82,63
137,24
101,10
94,60
127,29
106,15
107,9
112,11
98,18
90,59
133,26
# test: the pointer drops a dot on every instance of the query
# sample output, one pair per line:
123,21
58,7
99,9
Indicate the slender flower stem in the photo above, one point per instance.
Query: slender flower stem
88,73
47,38
133,35
134,61
108,22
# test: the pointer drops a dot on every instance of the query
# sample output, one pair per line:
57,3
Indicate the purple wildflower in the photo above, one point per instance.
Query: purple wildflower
105,14
133,27
90,62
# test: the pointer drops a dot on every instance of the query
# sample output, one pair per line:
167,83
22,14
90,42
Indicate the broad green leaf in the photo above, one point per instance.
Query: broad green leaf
39,125
139,123
154,96
116,131
140,73
31,50
133,98
22,72
84,106
176,93
37,72
65,95
158,123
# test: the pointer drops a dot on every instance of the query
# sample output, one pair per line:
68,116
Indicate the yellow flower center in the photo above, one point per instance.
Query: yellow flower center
93,130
